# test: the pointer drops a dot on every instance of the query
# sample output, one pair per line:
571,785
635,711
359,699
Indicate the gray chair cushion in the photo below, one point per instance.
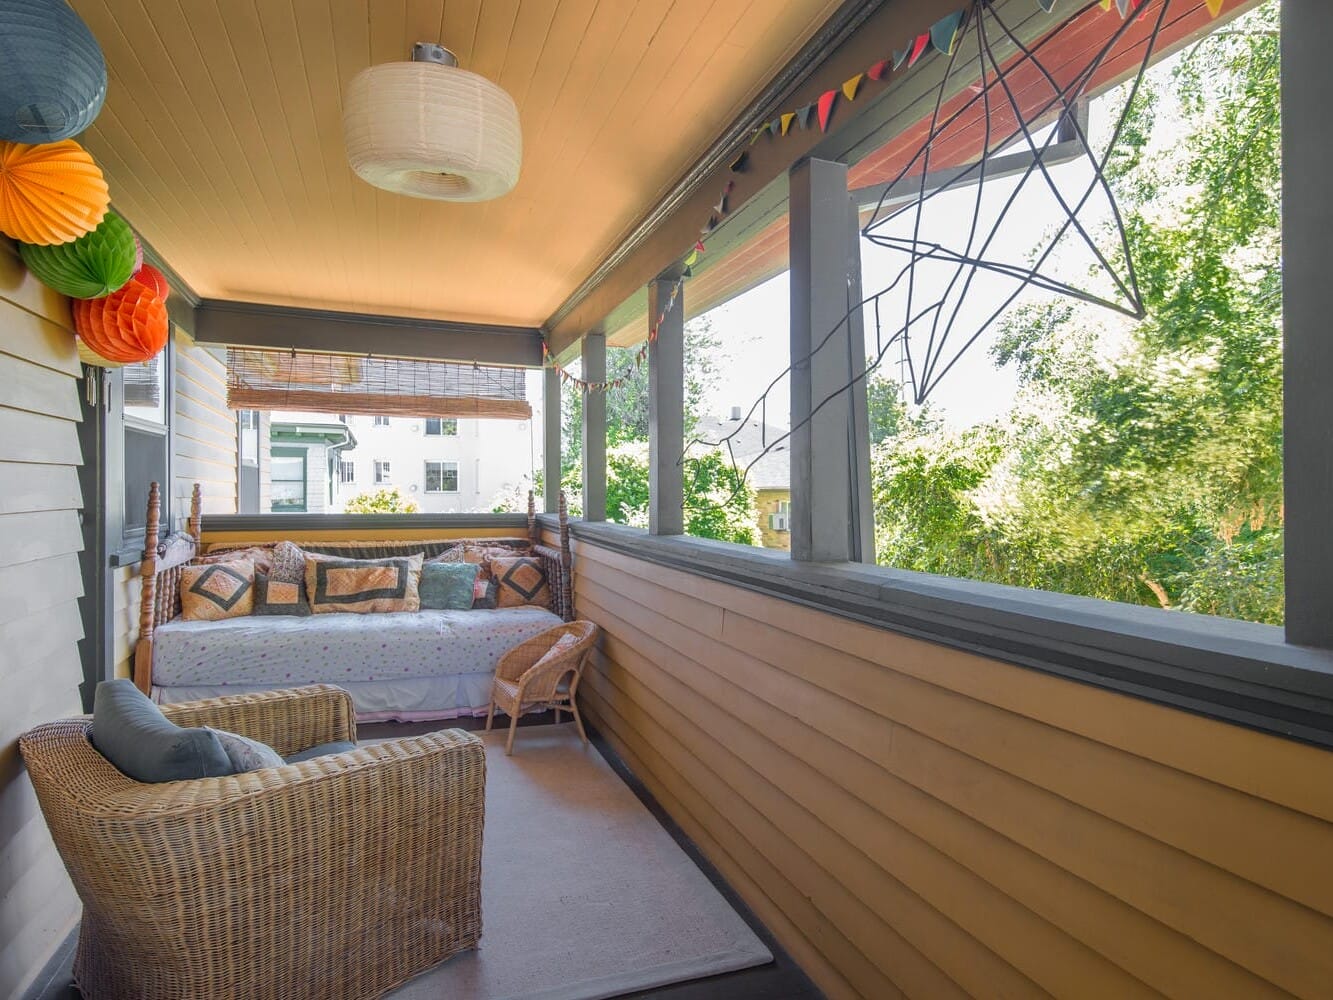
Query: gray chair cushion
321,750
133,734
246,754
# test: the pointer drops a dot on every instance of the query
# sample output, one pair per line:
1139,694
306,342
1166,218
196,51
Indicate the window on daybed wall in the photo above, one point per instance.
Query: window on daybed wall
146,427
1075,449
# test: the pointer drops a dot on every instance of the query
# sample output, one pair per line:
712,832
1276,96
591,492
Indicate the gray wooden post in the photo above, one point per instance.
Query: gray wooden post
1307,219
594,430
666,412
830,464
551,414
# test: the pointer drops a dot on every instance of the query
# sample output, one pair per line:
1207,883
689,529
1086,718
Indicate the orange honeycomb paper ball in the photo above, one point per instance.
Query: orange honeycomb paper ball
154,279
128,326
50,194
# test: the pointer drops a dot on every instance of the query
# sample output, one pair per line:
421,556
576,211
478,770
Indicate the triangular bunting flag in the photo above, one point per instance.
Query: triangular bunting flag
721,207
775,126
699,246
786,120
878,71
1046,5
1214,7
918,47
803,115
691,258
826,100
900,57
1106,4
850,87
1123,7
944,34
758,132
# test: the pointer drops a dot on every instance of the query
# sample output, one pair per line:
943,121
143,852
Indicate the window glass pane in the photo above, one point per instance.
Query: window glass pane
145,390
1072,448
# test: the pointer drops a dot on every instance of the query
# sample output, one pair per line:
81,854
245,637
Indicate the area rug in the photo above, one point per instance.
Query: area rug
584,894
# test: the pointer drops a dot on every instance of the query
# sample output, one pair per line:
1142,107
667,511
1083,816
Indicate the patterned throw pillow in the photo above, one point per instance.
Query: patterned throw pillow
214,591
279,597
522,581
478,555
362,585
260,555
484,594
244,753
447,586
288,563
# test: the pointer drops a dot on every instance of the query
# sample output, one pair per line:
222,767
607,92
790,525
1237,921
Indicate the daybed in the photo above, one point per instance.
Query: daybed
416,665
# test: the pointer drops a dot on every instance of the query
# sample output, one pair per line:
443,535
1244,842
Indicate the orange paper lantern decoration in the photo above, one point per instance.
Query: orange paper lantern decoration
50,194
129,325
154,279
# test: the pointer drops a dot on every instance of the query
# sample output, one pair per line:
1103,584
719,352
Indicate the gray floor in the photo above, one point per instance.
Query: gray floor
781,979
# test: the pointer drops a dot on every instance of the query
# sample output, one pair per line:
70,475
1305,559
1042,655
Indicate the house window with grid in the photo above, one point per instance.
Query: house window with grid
382,473
346,471
441,477
441,427
381,421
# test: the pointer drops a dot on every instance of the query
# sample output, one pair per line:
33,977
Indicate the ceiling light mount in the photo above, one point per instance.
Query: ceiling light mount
429,129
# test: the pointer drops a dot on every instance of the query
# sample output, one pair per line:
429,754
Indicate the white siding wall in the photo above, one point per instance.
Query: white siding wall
40,584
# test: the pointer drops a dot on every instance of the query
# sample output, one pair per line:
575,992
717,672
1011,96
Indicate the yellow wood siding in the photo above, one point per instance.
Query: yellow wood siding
40,584
913,819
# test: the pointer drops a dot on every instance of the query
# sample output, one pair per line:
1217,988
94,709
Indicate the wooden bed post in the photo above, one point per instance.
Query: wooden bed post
566,560
143,649
534,529
196,526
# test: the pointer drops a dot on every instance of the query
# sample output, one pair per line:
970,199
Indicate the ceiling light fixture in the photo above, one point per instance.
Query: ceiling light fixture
429,129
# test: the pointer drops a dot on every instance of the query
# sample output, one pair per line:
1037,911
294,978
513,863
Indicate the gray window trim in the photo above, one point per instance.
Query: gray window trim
1235,671
285,451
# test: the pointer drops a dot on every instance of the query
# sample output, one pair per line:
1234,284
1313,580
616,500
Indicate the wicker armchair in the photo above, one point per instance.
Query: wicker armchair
339,877
521,682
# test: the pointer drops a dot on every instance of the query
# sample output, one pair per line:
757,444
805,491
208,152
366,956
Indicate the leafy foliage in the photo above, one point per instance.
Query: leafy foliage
387,500
717,503
1140,463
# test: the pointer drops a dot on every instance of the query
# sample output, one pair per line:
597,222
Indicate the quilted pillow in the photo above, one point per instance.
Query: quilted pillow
213,591
280,597
260,555
244,753
362,585
478,555
521,581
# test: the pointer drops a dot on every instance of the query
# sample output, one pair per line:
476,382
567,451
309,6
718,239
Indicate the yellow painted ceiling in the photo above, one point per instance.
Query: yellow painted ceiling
222,139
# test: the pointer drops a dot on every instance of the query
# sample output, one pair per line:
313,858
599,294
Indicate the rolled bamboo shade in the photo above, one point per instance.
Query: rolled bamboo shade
346,383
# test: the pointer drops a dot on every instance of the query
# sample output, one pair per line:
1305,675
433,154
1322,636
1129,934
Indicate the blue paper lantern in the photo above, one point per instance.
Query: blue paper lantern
52,74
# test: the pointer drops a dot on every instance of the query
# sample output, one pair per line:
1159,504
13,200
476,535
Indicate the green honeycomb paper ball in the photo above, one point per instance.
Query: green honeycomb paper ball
94,265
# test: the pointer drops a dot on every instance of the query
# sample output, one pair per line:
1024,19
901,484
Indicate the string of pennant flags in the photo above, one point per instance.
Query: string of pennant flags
942,37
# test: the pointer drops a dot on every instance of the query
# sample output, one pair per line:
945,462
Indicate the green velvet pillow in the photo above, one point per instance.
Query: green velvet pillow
447,586
133,734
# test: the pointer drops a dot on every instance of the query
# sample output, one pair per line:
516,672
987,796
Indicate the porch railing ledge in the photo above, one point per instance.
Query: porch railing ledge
1236,671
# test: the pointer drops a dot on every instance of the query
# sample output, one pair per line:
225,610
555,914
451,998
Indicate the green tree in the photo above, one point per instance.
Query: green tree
387,500
1138,464
717,503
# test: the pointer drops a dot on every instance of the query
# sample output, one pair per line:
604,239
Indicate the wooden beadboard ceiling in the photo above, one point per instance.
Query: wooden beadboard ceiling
222,139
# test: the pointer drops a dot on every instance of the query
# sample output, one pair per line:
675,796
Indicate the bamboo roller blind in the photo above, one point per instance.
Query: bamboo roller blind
346,383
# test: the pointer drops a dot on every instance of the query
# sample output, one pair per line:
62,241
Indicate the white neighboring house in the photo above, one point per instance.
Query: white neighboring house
443,465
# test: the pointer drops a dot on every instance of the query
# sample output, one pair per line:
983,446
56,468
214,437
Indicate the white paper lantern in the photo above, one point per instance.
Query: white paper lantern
431,130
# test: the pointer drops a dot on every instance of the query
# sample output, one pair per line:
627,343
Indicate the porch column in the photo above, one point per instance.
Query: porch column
551,414
594,430
1307,219
666,412
830,456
